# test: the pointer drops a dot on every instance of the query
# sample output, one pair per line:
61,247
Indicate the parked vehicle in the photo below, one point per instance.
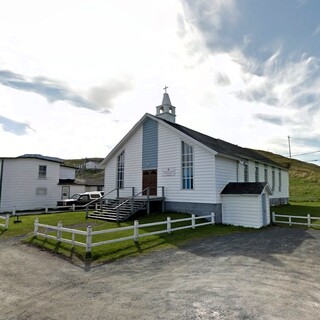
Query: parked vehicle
79,199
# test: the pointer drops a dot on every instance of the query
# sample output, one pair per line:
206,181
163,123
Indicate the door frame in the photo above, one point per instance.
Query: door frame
151,183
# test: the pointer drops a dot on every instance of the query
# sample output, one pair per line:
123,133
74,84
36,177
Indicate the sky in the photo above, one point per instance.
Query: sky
76,75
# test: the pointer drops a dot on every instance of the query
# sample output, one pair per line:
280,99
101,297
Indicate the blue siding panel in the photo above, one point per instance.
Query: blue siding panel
150,144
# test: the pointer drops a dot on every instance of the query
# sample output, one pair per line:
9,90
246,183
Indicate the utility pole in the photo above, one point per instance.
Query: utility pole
289,147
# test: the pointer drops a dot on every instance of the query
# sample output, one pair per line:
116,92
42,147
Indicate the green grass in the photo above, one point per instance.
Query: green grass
113,251
299,209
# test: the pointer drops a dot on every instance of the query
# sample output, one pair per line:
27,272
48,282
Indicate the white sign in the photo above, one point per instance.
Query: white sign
169,172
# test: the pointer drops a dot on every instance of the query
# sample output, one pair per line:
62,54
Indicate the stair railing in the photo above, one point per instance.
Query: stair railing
131,199
100,200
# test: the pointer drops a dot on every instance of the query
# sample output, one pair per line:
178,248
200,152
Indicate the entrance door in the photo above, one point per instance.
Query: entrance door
150,180
65,192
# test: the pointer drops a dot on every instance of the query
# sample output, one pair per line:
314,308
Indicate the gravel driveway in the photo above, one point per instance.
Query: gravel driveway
271,274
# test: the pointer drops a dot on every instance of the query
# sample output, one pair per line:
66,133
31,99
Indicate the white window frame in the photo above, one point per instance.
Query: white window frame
120,170
187,166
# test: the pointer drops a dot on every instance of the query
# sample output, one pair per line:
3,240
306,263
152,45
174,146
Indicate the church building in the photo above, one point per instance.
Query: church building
194,172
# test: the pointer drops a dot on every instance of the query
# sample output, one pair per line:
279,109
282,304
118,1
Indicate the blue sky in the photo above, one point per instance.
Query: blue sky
75,76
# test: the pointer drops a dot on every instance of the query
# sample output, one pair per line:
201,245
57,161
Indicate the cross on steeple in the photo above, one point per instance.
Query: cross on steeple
165,89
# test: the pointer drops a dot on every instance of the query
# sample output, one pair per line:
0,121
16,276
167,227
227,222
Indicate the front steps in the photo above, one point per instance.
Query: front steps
118,209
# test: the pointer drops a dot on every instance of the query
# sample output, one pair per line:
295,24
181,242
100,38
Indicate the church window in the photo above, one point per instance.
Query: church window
187,166
120,171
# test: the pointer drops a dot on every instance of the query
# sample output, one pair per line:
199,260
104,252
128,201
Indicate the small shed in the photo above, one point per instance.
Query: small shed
246,204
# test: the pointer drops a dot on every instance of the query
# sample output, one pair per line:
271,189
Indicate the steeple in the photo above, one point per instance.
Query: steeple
166,110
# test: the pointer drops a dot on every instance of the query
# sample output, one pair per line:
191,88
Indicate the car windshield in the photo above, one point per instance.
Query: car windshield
75,196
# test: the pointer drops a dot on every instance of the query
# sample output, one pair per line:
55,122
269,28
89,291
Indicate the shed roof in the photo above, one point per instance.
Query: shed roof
246,188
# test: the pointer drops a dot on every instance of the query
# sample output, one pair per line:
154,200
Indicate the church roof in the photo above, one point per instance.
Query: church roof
221,146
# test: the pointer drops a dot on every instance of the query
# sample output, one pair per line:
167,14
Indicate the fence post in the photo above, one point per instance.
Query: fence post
73,207
14,211
309,220
6,226
273,217
46,209
168,224
136,231
117,218
290,221
213,220
88,240
193,221
148,200
59,231
35,231
87,212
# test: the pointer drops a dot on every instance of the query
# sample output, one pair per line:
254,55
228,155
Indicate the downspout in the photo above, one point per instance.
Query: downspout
1,175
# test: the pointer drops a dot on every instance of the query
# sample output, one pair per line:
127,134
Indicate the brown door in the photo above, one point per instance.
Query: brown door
150,180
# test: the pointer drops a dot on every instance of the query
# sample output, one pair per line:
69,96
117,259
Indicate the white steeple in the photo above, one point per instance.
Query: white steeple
166,110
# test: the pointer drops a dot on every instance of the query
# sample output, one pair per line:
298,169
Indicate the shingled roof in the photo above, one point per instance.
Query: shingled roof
223,147
245,188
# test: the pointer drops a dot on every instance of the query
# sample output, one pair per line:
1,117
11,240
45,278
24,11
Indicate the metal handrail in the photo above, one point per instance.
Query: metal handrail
131,198
96,200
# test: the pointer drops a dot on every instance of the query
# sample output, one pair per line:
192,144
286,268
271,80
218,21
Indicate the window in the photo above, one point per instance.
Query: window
265,174
279,181
187,166
120,171
42,172
245,172
256,172
273,179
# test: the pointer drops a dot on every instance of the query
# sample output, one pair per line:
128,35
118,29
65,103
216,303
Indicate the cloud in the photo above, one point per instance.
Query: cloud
269,118
15,127
55,91
293,85
104,95
211,17
222,79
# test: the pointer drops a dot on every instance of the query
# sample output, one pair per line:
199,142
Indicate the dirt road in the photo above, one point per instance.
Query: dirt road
271,274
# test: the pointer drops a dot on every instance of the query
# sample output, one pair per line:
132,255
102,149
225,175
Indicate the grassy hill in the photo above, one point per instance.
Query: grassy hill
304,177
83,173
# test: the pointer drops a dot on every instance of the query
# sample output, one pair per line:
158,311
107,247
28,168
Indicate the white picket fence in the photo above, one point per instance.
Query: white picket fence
308,220
89,234
6,218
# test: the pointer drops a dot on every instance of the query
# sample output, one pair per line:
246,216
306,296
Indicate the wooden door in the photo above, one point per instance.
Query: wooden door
150,180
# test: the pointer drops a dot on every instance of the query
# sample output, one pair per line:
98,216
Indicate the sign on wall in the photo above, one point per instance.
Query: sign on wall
169,172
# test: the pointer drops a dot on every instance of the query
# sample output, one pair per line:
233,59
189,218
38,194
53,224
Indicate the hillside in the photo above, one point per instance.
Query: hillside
82,172
304,177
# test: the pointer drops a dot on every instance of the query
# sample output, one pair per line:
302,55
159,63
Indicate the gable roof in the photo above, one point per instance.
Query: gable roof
223,147
41,157
246,188
218,146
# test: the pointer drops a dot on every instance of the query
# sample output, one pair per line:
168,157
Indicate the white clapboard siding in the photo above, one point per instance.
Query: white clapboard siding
284,190
132,167
242,210
22,189
169,159
110,176
226,171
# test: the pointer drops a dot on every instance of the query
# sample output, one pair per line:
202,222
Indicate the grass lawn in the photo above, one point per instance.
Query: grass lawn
117,250
299,209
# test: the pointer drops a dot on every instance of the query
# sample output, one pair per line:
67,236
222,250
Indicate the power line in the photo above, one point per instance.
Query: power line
303,154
